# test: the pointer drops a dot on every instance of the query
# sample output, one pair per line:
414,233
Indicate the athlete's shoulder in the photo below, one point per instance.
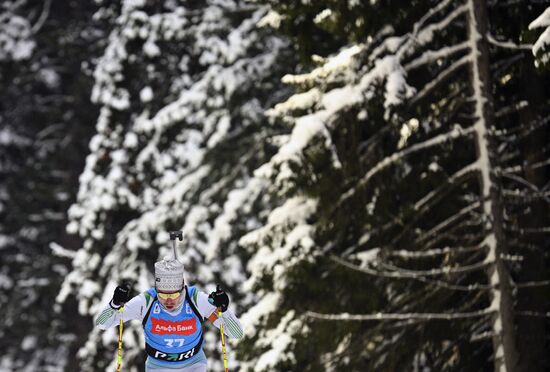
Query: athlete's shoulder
196,295
150,295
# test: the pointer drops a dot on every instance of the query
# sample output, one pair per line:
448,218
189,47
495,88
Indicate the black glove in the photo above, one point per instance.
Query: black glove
121,295
219,298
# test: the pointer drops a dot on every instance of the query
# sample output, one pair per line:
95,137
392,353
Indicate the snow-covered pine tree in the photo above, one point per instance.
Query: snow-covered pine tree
182,89
44,125
400,167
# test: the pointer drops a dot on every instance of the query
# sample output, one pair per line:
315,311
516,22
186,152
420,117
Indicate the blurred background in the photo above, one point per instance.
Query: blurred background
368,179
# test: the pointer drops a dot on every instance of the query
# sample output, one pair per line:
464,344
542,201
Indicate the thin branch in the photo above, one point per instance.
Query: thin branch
404,316
441,77
43,16
533,284
433,197
533,313
526,197
540,164
433,55
16,5
440,271
521,181
423,35
481,336
47,215
522,131
454,180
528,230
512,169
374,139
508,44
456,132
383,274
517,243
504,4
451,220
59,251
455,234
509,156
411,274
509,171
456,287
434,252
431,12
511,109
511,257
504,64
533,126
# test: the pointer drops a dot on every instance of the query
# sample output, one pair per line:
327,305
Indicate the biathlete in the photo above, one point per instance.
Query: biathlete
172,315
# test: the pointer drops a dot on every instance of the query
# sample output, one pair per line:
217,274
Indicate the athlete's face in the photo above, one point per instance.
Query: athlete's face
170,300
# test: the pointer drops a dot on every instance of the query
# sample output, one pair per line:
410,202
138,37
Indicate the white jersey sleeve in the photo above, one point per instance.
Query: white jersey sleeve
232,327
135,309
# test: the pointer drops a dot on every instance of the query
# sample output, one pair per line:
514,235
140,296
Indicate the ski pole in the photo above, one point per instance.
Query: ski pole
173,236
224,353
119,354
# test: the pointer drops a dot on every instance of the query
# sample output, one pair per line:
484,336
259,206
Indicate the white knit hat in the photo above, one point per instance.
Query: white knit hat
169,275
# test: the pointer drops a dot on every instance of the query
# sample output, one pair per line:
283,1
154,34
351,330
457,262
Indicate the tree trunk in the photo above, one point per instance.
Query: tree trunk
504,347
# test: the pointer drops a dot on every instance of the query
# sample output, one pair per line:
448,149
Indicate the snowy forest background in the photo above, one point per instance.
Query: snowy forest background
368,179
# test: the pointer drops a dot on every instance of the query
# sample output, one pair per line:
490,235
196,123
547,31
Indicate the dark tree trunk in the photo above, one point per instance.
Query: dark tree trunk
504,347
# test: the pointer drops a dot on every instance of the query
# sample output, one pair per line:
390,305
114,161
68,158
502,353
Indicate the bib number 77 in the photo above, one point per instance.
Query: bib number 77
171,342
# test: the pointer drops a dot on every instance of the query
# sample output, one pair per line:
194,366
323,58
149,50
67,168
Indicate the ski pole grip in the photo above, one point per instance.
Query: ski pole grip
176,234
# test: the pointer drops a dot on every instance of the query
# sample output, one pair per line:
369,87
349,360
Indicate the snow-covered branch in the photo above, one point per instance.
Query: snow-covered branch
540,49
60,251
397,272
433,11
434,55
434,272
402,253
422,35
508,44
